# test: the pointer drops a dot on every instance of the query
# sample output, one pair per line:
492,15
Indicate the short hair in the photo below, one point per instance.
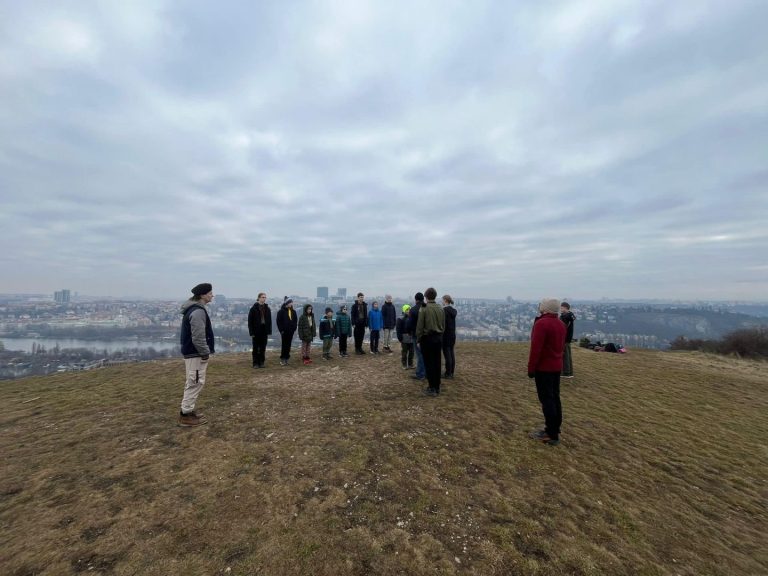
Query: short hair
360,294
430,293
551,305
260,295
447,298
565,305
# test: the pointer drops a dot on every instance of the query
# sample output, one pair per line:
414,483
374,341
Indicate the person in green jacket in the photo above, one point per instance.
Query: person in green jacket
343,329
429,334
307,332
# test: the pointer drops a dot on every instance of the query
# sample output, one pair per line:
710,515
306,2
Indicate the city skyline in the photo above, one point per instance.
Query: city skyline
579,150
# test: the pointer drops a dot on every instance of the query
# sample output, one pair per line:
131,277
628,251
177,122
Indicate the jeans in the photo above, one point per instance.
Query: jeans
420,370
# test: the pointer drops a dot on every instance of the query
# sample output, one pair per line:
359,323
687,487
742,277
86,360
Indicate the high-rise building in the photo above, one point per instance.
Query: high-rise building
341,292
322,292
62,296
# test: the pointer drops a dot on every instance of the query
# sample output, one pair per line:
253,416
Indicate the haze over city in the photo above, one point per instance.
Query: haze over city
575,149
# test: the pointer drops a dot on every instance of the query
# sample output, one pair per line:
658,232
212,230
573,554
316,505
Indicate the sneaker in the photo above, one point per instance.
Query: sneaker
191,419
542,436
567,377
283,362
417,377
429,392
405,367
256,366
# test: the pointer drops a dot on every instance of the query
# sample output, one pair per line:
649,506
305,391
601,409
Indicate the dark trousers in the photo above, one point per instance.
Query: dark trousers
343,344
259,349
359,333
374,340
285,350
431,349
548,389
567,361
450,358
406,353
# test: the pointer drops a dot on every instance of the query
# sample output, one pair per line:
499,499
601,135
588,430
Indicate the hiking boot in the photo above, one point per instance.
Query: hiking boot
191,419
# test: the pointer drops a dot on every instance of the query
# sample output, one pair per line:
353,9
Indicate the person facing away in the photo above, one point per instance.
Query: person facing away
260,328
389,316
359,321
413,320
375,323
307,332
569,319
343,329
197,345
327,333
429,335
449,336
286,325
545,361
405,339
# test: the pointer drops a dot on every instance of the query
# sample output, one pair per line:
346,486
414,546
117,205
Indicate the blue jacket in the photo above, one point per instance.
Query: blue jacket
375,319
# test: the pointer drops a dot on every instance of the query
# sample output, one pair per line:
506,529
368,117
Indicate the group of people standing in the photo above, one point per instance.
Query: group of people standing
425,330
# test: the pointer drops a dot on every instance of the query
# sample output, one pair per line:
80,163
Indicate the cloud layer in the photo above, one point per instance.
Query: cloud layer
579,149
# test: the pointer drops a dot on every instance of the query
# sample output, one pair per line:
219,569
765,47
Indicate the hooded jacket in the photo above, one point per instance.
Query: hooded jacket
286,322
196,330
343,324
307,326
568,319
375,320
450,322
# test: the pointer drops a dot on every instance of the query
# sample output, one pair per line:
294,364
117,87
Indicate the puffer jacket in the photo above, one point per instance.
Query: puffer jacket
307,326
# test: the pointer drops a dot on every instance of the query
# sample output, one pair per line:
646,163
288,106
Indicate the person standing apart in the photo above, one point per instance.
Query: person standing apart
413,320
260,328
343,330
449,336
545,361
359,321
389,315
429,334
327,333
197,345
375,323
286,325
307,333
405,339
568,318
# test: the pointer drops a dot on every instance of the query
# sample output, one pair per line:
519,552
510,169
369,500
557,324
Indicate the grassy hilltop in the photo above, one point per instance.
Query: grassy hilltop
344,468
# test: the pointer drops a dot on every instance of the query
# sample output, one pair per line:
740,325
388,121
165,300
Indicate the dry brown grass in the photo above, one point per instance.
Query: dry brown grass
346,469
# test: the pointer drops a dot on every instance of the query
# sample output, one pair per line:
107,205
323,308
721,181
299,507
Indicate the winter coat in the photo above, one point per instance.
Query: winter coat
196,330
413,318
568,319
402,335
327,328
389,314
547,343
255,326
343,324
431,321
375,320
307,326
286,324
360,314
450,322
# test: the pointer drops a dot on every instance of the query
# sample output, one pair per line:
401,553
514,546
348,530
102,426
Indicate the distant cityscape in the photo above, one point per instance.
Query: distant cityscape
39,332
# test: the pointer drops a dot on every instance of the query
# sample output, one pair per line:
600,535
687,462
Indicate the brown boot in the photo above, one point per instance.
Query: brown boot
191,419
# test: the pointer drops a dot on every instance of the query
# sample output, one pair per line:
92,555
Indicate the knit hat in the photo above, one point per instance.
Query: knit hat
201,289
406,307
419,297
287,301
549,305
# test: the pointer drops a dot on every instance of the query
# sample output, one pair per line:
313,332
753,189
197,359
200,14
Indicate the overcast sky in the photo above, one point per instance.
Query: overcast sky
584,149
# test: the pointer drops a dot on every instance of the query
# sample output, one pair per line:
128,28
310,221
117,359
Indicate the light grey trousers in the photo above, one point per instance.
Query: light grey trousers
196,369
387,339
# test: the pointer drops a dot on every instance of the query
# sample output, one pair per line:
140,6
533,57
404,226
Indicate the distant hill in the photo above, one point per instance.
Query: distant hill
344,468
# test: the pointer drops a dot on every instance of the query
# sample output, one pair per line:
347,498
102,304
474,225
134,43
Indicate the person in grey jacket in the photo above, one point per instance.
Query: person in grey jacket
197,345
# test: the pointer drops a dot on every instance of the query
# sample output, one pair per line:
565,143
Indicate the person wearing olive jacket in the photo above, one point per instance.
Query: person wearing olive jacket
307,332
286,325
429,333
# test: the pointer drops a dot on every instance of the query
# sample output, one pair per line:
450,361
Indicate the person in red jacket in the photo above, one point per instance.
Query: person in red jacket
545,362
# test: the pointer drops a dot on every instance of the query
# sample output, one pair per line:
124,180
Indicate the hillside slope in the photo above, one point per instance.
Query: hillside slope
344,468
